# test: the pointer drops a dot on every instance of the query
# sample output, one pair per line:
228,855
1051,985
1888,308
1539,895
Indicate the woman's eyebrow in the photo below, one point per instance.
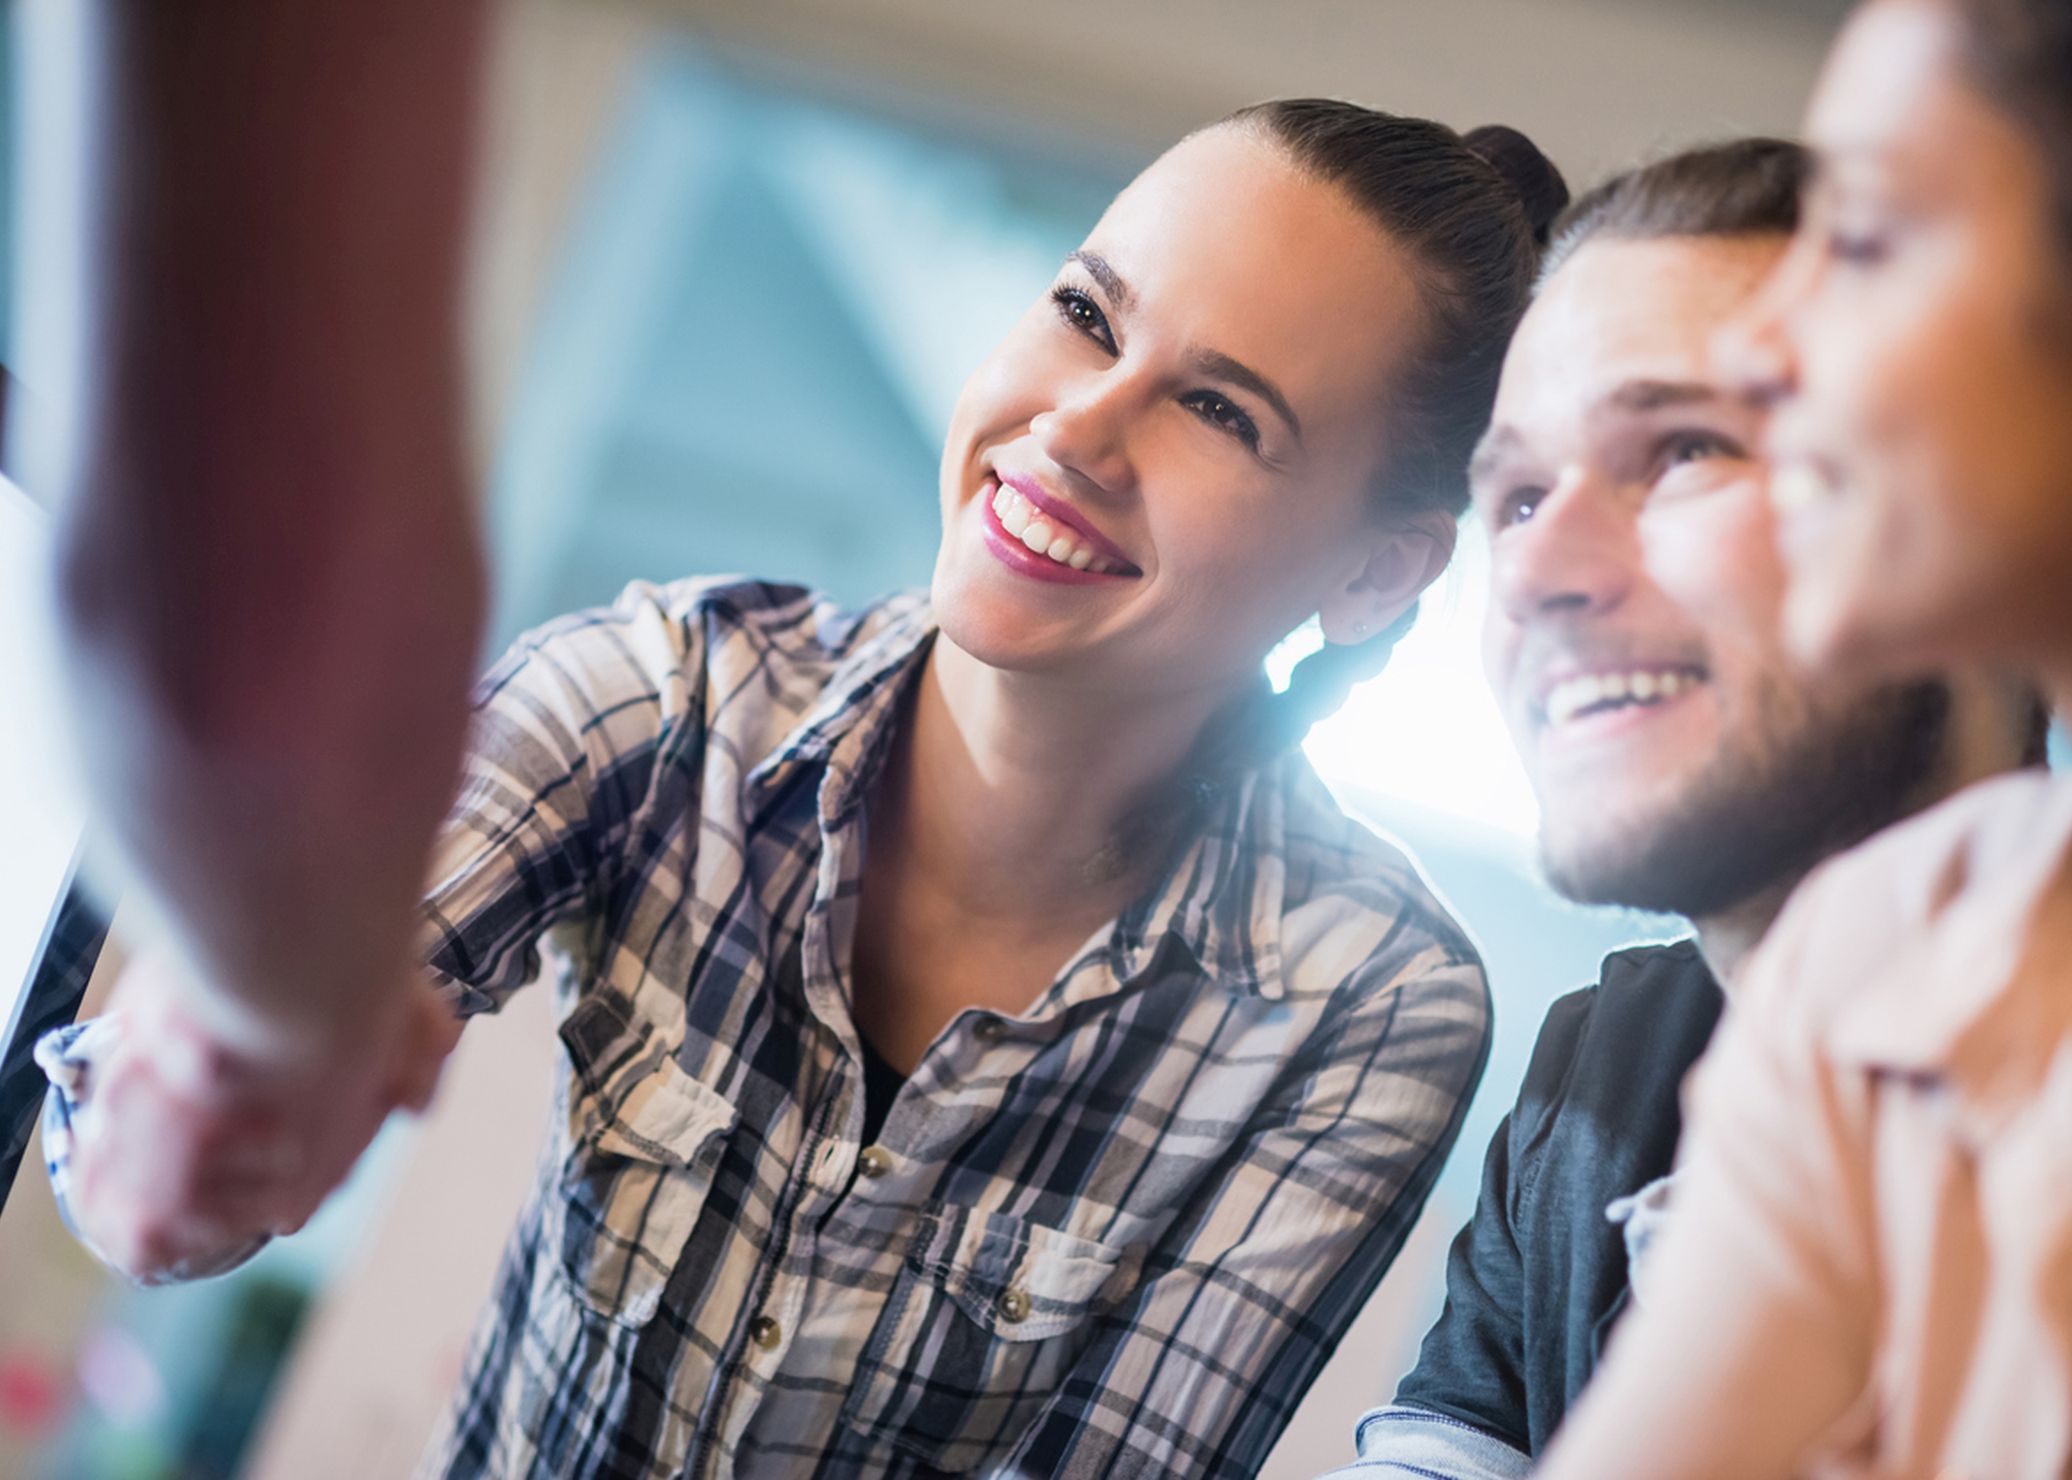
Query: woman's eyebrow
1103,272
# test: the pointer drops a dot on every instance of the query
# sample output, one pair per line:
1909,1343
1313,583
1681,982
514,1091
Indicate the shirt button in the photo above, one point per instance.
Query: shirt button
1014,1305
765,1333
875,1162
989,1029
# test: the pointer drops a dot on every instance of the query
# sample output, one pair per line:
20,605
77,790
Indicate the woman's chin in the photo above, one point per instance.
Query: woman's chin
1821,630
991,634
986,614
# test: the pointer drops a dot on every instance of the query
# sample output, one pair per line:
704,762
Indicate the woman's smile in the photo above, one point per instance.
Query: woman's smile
1034,533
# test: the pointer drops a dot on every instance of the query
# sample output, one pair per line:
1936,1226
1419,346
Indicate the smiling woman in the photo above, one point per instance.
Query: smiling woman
988,1047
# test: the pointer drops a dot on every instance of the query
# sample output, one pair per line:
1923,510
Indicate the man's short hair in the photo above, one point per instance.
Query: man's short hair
1742,187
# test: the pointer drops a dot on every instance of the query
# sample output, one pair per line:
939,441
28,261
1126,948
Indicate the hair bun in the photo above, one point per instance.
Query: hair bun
1533,175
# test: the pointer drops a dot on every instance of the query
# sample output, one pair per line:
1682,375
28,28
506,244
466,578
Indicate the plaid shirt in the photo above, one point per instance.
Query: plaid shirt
1115,1235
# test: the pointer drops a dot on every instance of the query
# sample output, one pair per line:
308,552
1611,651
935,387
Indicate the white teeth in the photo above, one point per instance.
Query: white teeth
1577,696
1052,541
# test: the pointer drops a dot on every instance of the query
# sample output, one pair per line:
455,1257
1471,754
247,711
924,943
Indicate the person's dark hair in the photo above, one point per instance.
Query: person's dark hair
2020,55
1738,187
1472,212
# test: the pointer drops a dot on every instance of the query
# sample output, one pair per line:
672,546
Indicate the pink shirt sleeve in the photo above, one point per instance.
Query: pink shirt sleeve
1756,1333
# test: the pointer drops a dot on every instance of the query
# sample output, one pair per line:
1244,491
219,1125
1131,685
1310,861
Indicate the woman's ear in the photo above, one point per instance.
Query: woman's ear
1401,561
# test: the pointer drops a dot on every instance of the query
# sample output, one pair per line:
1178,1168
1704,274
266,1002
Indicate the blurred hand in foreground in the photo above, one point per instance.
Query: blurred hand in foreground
189,1154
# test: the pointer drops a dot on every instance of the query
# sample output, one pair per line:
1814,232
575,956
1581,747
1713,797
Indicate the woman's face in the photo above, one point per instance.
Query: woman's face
1189,422
1916,346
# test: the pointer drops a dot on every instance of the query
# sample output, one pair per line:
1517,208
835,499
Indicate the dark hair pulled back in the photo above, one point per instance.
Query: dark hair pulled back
1472,212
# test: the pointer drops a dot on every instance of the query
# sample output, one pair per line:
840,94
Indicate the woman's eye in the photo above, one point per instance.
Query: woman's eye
1222,413
1083,314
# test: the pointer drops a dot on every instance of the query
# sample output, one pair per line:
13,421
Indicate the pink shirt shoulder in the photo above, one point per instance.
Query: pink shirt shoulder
1937,947
1869,1271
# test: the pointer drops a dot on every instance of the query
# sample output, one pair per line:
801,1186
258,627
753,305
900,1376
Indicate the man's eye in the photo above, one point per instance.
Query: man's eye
1517,507
1686,447
1856,248
1083,314
1224,414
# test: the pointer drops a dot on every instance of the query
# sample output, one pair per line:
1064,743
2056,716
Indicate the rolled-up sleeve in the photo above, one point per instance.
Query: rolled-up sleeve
1405,1442
66,1055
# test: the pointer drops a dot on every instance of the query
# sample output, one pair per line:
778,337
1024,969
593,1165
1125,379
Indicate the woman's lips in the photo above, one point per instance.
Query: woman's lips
1062,517
1013,551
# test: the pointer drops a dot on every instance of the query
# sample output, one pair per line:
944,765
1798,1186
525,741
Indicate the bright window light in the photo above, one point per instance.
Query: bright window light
1426,730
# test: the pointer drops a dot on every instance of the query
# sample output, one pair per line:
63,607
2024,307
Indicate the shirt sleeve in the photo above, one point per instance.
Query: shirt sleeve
1471,1367
563,749
1760,1299
1199,1370
1406,1442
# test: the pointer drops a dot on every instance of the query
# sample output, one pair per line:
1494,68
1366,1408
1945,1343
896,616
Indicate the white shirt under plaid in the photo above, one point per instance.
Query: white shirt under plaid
1116,1235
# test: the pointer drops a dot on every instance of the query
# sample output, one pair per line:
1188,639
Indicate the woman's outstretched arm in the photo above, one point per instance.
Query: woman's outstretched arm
170,1166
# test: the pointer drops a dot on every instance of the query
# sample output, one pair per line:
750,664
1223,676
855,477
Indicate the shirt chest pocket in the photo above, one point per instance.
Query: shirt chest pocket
643,1151
985,1320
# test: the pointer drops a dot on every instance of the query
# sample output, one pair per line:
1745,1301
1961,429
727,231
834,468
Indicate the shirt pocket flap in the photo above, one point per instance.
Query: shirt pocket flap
668,1117
1022,1282
629,1098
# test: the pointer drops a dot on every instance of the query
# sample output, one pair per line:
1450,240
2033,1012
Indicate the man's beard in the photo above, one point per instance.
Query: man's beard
1755,821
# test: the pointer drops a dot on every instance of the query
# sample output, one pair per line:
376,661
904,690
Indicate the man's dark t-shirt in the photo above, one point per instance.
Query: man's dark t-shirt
1537,1277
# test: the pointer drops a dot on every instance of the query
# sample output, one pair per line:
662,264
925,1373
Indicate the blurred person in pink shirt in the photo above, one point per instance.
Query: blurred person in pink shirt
1871,1269
1682,761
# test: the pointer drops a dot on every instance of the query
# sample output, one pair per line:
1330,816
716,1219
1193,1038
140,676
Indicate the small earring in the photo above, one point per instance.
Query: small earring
1359,629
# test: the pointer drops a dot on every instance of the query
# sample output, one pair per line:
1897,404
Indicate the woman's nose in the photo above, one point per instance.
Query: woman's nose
1088,435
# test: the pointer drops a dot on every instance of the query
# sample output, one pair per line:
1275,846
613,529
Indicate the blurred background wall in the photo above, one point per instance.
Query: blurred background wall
736,260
